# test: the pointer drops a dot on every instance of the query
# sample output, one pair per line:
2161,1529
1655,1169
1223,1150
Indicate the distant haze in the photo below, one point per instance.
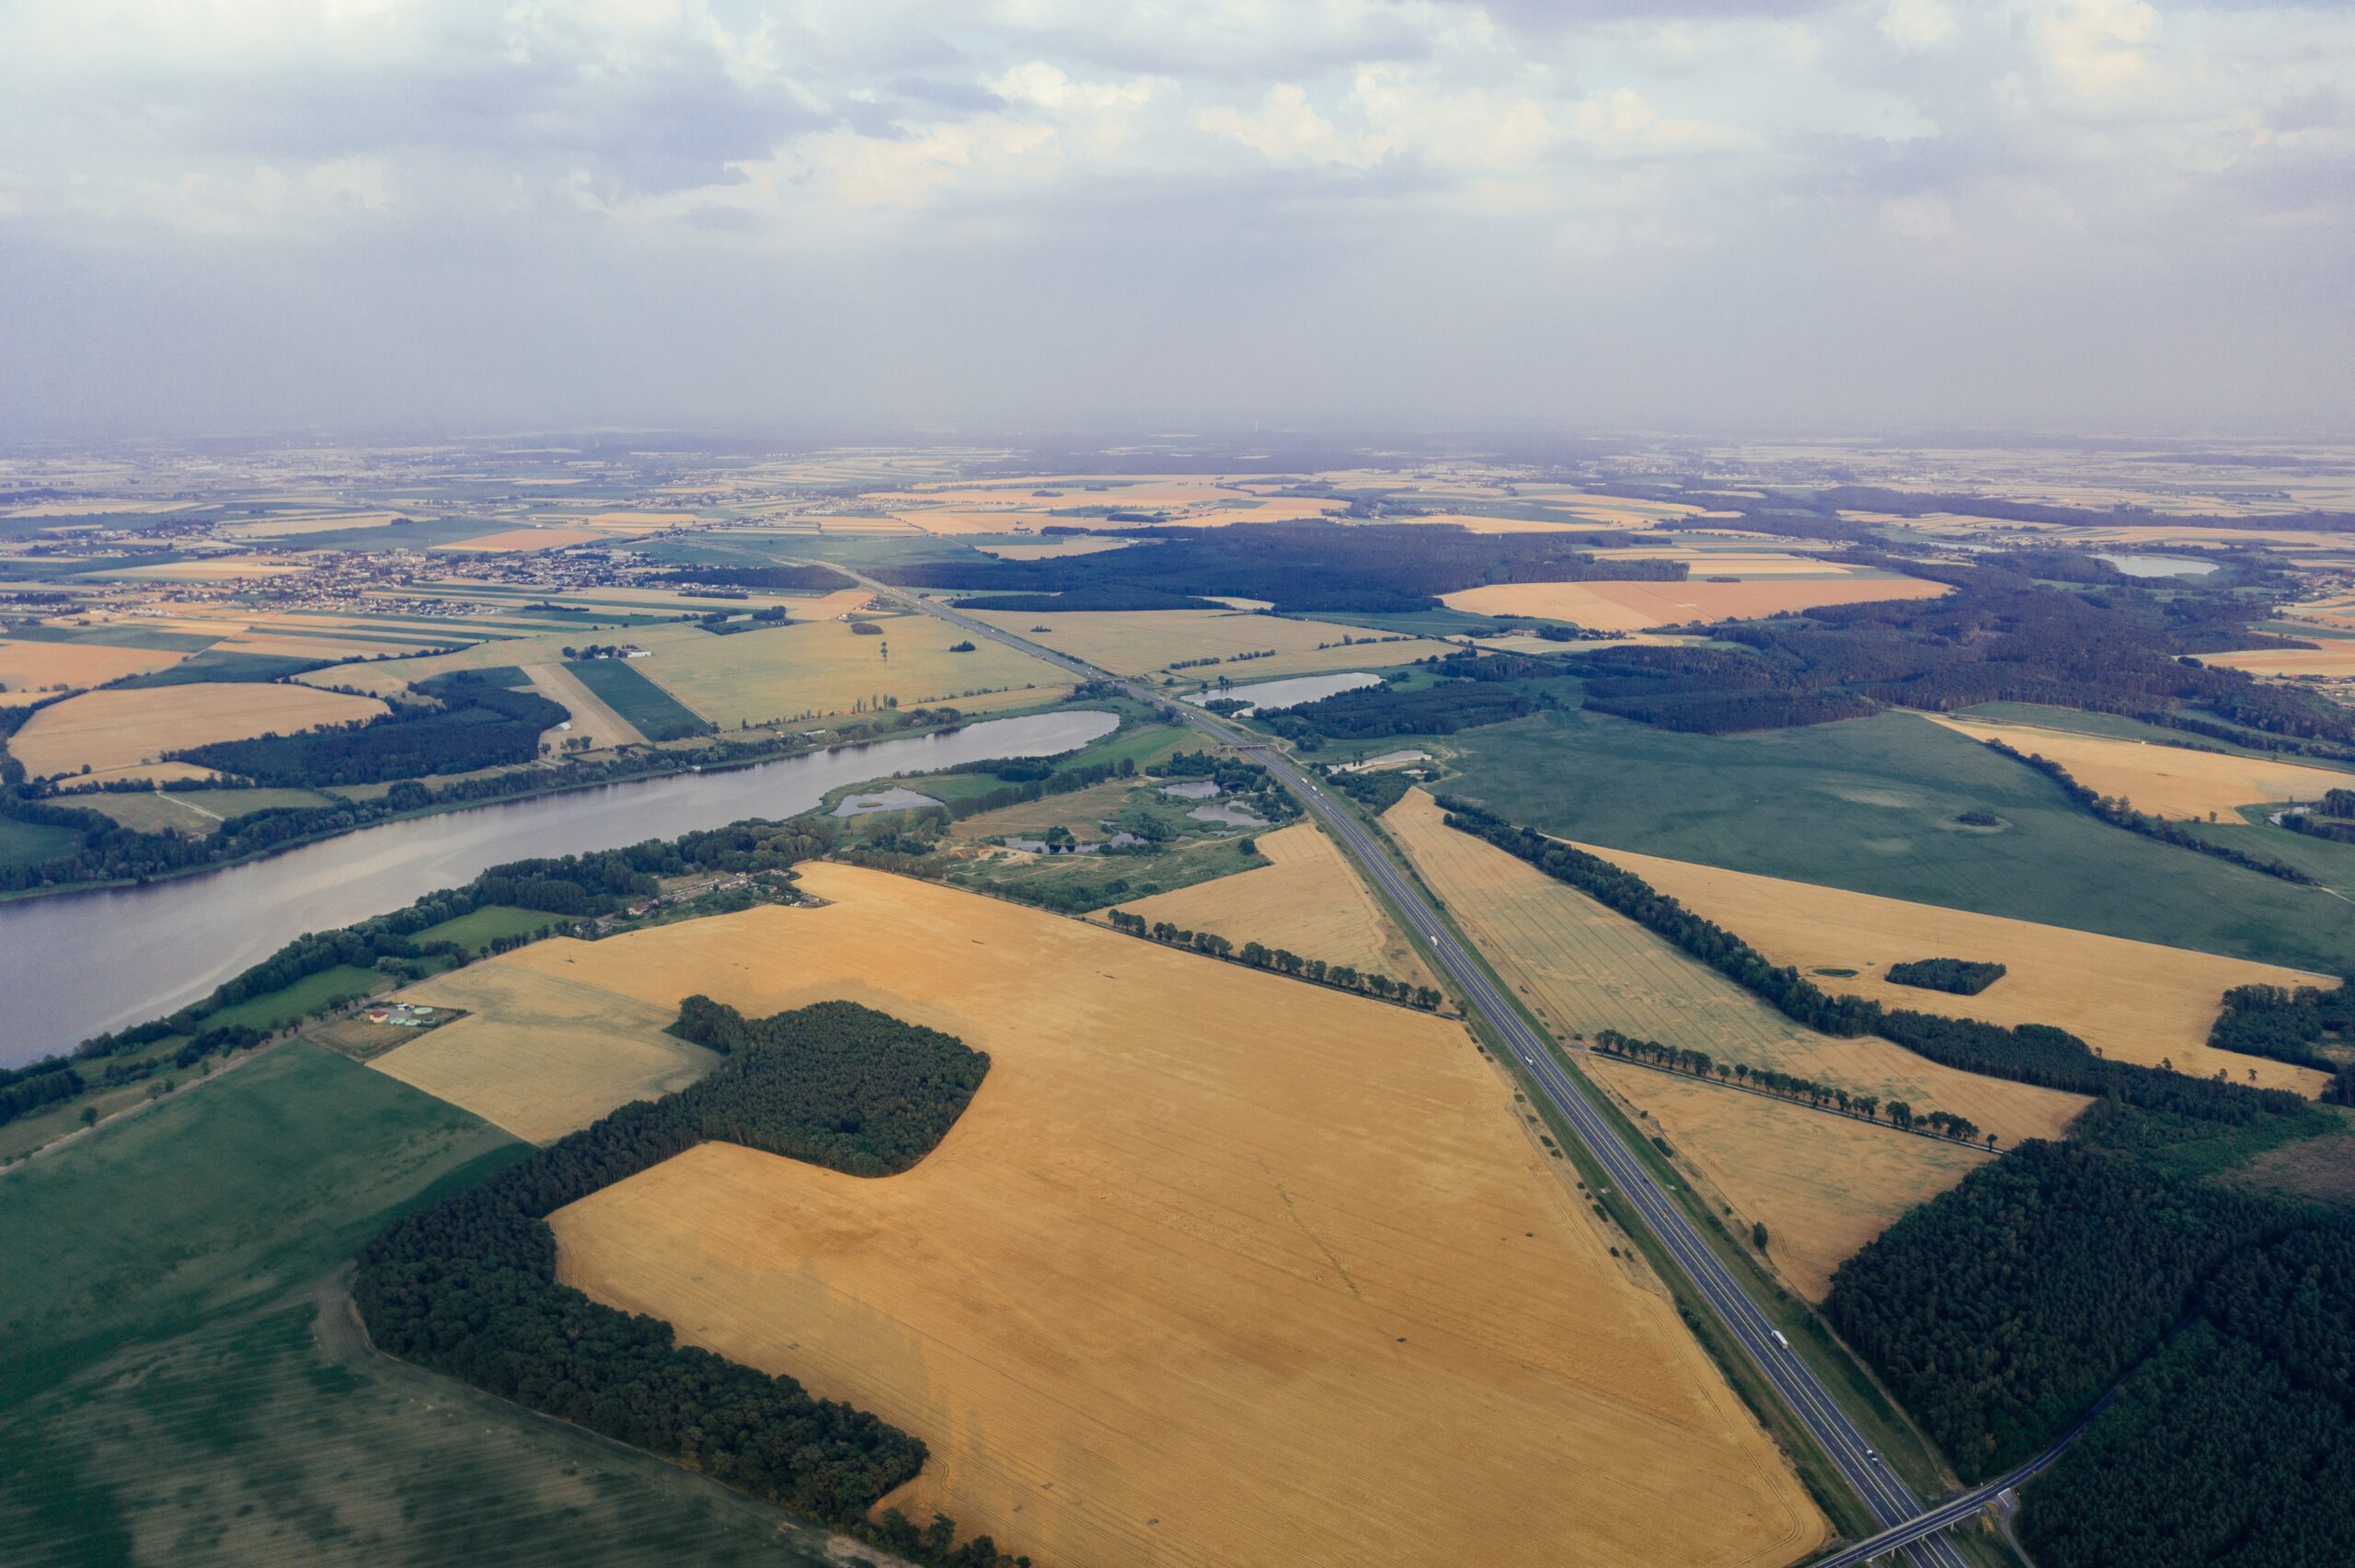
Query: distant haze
883,216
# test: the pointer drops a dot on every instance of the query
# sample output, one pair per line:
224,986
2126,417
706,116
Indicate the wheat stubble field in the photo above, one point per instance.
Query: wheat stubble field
1217,1267
125,726
1309,901
1584,967
2167,781
2135,1001
1822,1185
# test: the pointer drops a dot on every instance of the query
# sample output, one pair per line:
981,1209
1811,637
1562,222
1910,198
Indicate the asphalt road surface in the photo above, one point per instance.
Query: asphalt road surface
1909,1528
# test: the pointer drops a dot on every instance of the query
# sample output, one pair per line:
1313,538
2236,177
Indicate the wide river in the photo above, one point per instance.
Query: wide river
78,964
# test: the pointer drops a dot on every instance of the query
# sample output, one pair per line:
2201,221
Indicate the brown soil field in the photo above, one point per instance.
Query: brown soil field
2333,660
1633,606
518,538
1216,1268
543,1053
2167,781
1133,644
120,728
2134,1000
1309,900
33,666
1584,967
1823,1186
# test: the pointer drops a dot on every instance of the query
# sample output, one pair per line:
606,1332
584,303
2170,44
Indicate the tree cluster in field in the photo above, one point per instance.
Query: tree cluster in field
775,579
469,724
2027,1053
2000,1311
1295,566
468,1286
2286,1024
2234,1446
1472,690
1789,1086
726,623
604,650
2120,813
1381,789
1247,782
1283,961
1040,784
2332,817
2000,636
1959,977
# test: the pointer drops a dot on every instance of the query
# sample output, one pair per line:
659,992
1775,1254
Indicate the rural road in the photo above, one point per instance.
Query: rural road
1908,1526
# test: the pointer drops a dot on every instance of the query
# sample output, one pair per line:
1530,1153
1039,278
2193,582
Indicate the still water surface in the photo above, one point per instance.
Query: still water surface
77,965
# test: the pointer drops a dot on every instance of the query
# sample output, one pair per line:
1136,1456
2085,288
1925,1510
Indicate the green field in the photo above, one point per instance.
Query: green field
277,1009
193,811
1870,805
29,844
186,1384
651,710
478,928
219,664
118,633
226,1195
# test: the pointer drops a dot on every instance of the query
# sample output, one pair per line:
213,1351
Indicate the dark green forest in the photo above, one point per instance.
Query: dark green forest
1959,977
473,723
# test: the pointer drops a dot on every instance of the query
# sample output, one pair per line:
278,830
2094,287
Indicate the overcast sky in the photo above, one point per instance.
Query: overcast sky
894,216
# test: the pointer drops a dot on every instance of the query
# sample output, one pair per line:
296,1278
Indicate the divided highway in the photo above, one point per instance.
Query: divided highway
1908,1527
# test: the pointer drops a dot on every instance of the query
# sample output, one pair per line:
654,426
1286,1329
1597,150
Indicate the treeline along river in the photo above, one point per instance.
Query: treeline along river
76,965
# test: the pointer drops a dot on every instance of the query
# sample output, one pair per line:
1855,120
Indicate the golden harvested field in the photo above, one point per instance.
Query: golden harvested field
824,667
227,568
544,1052
1217,1267
516,539
2335,660
1310,901
323,522
123,727
1135,643
1584,967
1823,1186
2167,781
2134,1000
1633,606
40,666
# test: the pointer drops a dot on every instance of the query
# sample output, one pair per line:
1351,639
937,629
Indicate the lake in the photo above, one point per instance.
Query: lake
75,965
1270,695
2158,566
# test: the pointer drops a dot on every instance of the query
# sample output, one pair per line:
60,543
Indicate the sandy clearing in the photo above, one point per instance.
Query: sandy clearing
1217,1268
541,1055
1138,642
2134,1000
1309,900
1635,606
118,728
34,666
1584,969
2167,781
592,717
1823,1186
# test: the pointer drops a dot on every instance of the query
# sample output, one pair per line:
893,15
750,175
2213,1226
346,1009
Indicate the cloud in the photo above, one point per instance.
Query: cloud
1002,189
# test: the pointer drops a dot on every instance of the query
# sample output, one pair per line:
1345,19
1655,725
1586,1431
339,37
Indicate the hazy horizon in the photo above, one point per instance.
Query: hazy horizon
900,220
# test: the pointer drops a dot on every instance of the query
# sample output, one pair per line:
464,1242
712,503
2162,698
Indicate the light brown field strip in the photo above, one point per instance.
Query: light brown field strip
1310,901
2167,781
2134,1000
1585,967
1823,1186
1635,606
1216,1268
128,726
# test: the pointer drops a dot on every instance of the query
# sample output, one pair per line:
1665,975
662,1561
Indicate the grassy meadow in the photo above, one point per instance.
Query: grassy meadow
1870,805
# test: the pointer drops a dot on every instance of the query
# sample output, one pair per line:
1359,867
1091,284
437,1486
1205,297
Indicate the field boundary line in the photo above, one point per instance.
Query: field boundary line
1781,1100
